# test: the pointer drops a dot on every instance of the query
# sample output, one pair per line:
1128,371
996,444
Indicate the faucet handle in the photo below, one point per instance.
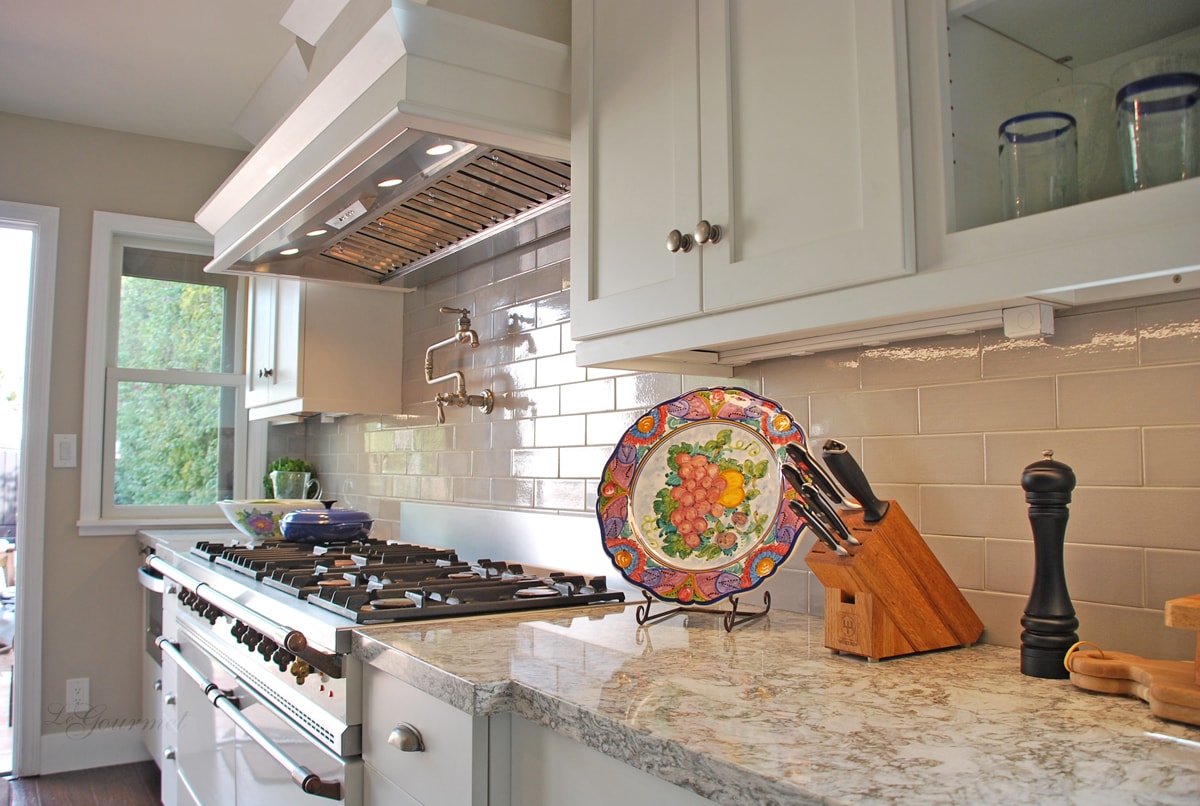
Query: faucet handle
460,311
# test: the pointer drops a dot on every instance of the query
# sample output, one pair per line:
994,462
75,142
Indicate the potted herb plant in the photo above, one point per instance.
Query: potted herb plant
285,464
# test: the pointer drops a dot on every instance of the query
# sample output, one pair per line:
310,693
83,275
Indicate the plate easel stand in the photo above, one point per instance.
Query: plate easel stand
891,596
730,617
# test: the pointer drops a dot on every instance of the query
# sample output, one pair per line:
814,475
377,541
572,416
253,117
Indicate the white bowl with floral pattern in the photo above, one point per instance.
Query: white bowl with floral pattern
259,520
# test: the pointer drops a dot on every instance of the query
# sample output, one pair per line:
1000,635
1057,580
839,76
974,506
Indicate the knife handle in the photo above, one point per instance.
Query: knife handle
846,470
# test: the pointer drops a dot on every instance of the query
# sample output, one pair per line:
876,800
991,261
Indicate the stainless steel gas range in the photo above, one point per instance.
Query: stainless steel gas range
261,698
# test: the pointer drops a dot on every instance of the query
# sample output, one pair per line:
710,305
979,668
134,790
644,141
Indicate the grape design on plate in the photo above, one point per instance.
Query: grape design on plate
691,503
704,507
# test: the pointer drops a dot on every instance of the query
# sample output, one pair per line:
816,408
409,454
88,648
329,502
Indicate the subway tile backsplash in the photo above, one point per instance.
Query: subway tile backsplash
943,426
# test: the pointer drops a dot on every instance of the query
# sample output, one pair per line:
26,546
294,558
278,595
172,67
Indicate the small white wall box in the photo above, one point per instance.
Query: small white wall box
1025,321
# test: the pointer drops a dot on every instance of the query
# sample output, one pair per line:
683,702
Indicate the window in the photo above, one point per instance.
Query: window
165,430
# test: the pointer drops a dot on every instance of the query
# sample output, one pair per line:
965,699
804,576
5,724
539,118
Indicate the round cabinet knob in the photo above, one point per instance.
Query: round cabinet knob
169,699
707,233
678,241
407,739
168,753
158,685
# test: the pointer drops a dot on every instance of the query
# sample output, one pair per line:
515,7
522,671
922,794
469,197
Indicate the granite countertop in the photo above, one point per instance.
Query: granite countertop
765,714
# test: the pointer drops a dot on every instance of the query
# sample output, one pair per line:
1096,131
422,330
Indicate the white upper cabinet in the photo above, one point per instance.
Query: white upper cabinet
780,126
322,348
848,151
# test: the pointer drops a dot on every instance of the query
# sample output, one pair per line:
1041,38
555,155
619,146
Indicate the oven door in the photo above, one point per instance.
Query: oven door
231,747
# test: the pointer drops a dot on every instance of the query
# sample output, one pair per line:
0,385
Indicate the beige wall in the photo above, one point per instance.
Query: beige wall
944,426
92,603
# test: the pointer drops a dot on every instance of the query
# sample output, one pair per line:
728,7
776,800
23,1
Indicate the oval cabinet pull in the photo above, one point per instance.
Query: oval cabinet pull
407,739
707,233
678,241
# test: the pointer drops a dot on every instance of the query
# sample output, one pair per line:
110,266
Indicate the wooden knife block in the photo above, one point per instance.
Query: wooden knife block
892,596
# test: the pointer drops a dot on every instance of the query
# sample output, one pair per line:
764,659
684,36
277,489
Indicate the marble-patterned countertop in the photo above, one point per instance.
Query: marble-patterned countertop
765,714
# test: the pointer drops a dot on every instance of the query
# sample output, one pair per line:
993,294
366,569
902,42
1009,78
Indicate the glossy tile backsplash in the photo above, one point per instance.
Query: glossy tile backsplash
944,426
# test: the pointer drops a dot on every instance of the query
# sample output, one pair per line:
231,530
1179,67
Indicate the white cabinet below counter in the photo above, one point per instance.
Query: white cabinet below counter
418,749
497,760
319,347
897,207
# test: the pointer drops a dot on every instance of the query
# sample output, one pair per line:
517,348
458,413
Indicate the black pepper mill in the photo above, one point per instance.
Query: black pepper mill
1049,619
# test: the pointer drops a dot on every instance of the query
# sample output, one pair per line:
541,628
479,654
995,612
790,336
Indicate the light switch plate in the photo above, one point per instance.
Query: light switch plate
65,448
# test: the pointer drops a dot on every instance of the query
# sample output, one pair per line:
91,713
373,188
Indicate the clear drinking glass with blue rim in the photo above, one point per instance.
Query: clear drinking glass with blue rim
1158,129
1038,163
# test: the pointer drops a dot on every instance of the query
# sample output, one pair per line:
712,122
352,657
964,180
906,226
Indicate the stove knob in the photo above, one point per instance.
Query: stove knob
267,648
212,613
238,630
282,658
300,670
251,639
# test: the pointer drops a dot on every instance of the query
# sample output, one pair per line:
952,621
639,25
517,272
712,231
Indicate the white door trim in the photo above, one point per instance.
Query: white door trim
35,442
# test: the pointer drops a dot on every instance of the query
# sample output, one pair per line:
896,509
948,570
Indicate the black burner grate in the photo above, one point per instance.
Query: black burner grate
374,581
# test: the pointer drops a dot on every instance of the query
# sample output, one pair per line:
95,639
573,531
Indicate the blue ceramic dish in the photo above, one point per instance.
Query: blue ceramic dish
322,526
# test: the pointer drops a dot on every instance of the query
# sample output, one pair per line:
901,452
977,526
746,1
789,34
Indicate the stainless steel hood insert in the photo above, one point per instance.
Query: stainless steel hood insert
431,132
385,224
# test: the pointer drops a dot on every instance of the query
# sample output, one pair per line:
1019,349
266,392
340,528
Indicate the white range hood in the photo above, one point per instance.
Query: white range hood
391,80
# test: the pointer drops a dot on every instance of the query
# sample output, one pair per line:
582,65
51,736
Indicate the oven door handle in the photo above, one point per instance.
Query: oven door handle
292,640
224,701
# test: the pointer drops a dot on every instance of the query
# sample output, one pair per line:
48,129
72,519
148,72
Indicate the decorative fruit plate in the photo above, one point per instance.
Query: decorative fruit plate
692,501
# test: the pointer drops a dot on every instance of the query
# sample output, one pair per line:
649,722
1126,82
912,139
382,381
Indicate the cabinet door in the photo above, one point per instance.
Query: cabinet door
634,163
805,148
260,340
273,341
287,380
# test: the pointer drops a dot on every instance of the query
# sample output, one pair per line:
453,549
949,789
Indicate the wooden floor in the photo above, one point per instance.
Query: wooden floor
125,785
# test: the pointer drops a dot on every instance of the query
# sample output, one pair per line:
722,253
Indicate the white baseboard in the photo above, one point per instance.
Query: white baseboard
82,748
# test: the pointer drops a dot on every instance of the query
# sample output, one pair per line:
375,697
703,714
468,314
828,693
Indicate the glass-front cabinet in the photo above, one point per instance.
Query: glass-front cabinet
975,64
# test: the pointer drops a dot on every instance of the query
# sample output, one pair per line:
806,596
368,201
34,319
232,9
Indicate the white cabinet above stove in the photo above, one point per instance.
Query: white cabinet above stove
322,348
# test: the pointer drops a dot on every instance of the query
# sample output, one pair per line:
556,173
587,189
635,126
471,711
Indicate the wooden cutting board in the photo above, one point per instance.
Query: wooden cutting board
1170,687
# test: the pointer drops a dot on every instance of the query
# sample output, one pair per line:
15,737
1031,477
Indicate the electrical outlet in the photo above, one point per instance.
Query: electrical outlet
78,695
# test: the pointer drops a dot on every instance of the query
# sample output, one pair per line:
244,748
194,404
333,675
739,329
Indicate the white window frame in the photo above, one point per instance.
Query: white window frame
111,233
